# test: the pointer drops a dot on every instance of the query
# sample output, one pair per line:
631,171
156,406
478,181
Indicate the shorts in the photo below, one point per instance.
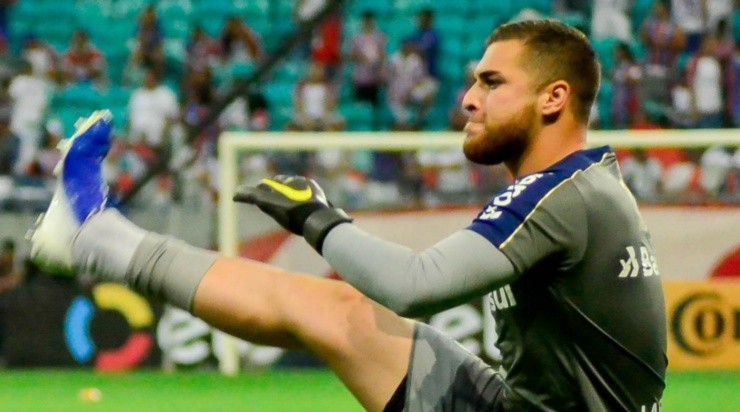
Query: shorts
368,93
444,376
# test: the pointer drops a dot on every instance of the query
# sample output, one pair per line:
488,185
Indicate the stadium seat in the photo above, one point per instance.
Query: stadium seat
214,8
358,115
90,16
640,12
604,103
437,118
211,24
542,6
411,7
605,50
68,116
82,97
279,94
128,10
120,117
117,95
451,25
252,8
500,9
288,72
381,8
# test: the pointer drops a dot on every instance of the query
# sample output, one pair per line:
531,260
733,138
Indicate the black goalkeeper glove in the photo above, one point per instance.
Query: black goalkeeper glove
297,204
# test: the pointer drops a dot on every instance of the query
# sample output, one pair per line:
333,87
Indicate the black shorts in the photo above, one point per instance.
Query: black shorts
368,94
444,376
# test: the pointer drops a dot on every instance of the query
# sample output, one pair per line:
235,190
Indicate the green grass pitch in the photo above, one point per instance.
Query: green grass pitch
275,391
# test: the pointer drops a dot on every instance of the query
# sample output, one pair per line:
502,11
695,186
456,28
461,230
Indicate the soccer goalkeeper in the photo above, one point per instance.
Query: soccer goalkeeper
563,253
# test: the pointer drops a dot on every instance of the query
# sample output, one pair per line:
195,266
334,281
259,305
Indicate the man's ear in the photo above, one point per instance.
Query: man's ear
554,98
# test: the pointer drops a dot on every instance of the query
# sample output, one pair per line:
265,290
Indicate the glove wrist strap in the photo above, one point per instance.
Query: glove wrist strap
320,222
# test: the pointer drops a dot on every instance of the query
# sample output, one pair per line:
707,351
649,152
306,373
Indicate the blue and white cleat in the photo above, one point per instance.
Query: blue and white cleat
80,192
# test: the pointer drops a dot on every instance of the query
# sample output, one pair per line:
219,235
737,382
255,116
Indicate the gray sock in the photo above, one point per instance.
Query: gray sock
112,248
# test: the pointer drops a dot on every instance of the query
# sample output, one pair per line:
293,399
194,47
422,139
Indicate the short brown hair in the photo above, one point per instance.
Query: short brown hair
555,51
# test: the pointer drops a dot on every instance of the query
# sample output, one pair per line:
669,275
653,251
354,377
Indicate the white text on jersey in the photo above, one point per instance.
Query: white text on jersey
505,198
502,298
632,267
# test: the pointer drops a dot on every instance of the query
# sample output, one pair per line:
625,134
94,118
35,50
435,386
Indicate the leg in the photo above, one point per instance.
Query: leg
366,345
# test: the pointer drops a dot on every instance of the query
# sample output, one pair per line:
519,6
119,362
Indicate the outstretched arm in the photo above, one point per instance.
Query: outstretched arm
456,269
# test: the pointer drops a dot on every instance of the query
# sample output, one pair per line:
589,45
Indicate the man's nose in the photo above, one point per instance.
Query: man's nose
469,102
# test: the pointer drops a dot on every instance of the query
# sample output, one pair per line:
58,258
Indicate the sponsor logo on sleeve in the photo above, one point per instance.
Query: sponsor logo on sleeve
504,199
635,266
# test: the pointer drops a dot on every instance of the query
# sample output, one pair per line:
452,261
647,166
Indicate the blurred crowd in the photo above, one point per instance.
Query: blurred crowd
678,68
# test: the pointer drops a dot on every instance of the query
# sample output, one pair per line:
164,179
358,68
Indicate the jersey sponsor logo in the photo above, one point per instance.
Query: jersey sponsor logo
492,211
502,298
634,266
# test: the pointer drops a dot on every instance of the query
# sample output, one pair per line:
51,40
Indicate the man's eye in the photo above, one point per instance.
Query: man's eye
492,84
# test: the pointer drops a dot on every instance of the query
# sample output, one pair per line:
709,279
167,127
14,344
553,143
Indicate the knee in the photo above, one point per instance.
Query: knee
342,312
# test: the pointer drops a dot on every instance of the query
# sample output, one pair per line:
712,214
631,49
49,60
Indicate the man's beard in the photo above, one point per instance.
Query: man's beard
502,142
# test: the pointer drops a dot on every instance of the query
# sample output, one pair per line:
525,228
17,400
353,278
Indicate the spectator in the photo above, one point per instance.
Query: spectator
448,172
9,277
642,174
239,43
5,7
427,42
681,112
368,54
8,61
315,103
410,89
9,148
48,155
149,47
30,99
718,10
306,9
7,259
691,17
201,52
201,94
724,51
716,163
705,83
248,112
153,109
41,57
458,115
82,61
610,19
663,40
625,81
326,48
735,89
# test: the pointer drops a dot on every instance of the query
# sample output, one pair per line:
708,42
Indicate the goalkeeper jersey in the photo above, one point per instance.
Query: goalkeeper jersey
583,325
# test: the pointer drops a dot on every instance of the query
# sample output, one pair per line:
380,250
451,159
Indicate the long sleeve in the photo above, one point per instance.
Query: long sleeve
456,269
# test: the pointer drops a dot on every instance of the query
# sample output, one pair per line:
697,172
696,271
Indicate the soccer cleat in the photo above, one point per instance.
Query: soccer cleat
80,192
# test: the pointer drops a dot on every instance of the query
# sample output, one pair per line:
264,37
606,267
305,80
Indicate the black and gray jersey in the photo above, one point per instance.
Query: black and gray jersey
583,324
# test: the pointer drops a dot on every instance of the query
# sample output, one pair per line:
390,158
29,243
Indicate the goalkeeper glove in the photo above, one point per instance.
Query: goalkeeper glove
297,204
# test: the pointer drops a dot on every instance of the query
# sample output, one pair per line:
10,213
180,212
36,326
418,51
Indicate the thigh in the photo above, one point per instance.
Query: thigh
365,344
444,376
